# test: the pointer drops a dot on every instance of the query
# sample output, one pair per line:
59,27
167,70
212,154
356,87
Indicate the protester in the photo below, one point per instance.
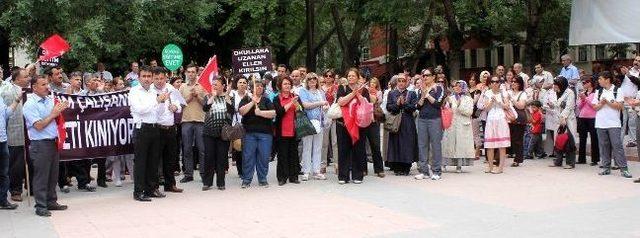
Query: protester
238,94
402,144
329,137
257,114
315,103
132,77
11,91
496,132
458,148
567,117
586,123
40,113
429,125
372,132
93,88
218,108
608,103
167,144
192,123
286,104
351,147
5,113
517,127
144,103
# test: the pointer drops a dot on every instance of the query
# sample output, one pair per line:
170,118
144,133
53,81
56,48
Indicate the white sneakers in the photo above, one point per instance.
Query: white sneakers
316,176
422,176
118,183
319,176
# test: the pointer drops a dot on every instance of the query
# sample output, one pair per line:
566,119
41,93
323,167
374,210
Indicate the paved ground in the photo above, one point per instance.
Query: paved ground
530,201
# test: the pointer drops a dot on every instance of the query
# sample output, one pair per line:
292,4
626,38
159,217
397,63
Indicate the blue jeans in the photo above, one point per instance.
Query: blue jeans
4,172
429,140
256,149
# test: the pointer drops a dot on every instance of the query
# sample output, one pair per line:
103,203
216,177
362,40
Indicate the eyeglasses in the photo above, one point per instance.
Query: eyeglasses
427,75
440,81
495,81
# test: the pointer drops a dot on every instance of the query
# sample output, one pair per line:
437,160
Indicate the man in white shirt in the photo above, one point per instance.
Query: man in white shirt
608,103
542,76
168,140
296,80
145,105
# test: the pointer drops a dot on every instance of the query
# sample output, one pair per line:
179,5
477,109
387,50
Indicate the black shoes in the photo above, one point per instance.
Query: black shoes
87,189
282,182
206,188
43,212
186,179
8,206
141,198
156,194
102,184
57,207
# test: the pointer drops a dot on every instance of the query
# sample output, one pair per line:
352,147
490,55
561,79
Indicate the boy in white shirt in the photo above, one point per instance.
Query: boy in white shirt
608,103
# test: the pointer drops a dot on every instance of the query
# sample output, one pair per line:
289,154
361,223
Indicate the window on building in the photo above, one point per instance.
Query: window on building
474,58
516,53
487,57
500,55
582,53
600,52
365,54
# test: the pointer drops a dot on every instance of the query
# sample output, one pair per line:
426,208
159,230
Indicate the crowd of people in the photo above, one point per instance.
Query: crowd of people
427,118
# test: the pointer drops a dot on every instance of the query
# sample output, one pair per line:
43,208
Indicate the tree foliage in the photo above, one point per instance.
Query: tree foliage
112,31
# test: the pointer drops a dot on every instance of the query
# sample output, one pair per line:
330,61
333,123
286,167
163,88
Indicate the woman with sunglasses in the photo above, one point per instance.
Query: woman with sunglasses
517,127
314,101
496,133
429,124
586,123
241,91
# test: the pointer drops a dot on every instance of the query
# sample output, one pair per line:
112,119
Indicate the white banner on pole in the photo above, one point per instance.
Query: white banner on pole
604,22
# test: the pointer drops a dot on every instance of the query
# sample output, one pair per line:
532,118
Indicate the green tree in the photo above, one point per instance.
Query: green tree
116,32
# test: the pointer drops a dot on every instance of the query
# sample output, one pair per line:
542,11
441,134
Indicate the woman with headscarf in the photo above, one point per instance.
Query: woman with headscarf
402,144
566,105
458,147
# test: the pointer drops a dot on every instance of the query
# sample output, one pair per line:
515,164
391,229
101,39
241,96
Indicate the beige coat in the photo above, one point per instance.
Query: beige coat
457,141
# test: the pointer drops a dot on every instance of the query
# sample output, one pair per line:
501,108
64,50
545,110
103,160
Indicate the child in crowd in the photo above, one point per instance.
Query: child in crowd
535,147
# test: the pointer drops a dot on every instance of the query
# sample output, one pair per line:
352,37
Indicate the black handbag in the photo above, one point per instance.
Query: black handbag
304,127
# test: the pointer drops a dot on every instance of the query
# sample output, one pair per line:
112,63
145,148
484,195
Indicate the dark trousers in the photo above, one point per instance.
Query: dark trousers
216,160
16,169
569,157
169,152
372,135
4,172
146,159
350,156
237,157
75,168
288,160
535,146
586,126
517,141
46,161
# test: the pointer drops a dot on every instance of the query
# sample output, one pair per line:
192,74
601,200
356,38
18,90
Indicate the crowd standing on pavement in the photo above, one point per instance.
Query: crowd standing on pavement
310,122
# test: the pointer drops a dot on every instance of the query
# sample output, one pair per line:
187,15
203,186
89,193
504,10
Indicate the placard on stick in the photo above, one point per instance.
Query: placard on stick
251,60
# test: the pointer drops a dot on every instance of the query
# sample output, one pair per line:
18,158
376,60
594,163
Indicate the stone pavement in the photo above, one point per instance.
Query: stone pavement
530,201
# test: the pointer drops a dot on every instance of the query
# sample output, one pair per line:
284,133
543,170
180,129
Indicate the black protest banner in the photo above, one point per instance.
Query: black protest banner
253,60
97,126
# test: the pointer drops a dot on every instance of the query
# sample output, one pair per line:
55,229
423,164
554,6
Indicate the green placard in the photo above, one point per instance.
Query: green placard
172,57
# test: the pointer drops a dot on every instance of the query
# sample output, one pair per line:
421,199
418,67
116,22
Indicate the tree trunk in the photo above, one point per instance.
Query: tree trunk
349,46
456,39
280,48
532,46
5,45
392,44
424,32
311,59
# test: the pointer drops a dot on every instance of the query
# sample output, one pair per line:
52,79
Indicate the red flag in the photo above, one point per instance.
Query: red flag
209,73
62,133
53,47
